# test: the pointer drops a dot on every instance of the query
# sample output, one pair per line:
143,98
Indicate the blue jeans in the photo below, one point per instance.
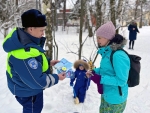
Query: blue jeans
32,104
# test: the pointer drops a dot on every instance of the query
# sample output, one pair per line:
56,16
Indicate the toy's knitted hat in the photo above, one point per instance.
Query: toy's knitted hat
107,31
33,18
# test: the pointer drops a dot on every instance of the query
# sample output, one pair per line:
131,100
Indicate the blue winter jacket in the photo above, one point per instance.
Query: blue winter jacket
112,77
81,79
27,66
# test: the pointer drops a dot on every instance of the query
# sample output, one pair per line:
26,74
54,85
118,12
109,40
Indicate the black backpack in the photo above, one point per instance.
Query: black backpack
134,72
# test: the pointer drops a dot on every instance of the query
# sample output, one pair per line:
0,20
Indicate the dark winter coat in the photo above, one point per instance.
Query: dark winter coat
132,33
27,67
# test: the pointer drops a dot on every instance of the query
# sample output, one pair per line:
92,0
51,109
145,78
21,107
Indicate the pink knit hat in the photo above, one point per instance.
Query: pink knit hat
106,31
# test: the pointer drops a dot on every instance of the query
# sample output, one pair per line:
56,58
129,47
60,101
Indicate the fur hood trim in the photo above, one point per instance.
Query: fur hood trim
84,63
115,46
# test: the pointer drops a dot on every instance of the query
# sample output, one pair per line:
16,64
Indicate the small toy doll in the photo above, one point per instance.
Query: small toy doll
82,82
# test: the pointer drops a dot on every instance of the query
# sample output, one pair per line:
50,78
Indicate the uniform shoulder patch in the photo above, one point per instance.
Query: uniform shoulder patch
33,63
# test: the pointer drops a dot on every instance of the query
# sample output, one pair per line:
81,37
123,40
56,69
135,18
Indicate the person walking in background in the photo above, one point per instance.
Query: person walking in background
81,81
28,69
132,34
110,77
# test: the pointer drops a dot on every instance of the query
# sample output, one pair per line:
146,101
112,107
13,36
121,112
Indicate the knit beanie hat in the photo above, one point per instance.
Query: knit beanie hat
107,31
33,18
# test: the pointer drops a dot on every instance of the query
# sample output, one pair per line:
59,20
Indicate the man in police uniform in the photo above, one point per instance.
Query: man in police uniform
28,69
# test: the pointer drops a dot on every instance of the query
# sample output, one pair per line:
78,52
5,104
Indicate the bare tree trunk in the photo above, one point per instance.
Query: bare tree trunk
16,2
5,32
98,4
104,11
123,12
85,23
119,10
64,14
112,11
55,17
17,20
140,26
39,5
136,7
81,27
48,32
89,19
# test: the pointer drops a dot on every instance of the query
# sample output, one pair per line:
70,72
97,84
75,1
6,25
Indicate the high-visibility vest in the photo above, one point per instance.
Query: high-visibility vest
22,55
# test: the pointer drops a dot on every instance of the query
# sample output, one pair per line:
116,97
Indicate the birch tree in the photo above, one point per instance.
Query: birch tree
112,12
142,4
118,13
64,15
98,5
10,12
48,33
81,27
88,17
136,8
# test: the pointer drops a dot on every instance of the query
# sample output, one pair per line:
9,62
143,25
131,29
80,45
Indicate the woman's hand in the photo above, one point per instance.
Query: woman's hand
89,74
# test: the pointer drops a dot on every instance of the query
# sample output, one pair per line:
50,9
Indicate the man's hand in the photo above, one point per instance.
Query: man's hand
62,76
53,62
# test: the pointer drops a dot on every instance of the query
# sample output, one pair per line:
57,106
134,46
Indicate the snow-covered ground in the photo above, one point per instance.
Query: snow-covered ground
58,99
